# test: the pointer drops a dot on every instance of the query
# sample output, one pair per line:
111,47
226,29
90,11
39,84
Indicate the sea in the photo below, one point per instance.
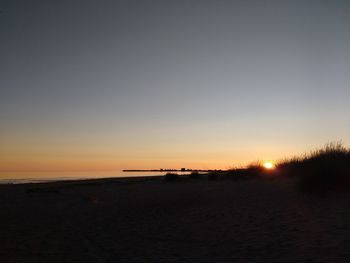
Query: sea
45,177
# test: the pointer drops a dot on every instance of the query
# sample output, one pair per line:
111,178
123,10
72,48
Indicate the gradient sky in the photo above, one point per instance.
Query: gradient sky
107,85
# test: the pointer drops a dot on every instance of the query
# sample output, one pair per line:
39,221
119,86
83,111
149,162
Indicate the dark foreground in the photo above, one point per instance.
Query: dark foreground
155,221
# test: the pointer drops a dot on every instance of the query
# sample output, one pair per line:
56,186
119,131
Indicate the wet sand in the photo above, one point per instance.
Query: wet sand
149,220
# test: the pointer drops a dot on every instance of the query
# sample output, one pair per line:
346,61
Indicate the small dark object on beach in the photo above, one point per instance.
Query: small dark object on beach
213,176
169,177
195,175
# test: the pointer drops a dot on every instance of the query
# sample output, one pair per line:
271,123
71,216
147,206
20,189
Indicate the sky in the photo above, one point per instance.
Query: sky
110,85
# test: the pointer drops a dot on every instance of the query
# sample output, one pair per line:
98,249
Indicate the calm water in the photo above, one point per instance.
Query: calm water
41,177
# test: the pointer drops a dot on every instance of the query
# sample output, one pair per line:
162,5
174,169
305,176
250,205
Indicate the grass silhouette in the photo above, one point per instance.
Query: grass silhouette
322,170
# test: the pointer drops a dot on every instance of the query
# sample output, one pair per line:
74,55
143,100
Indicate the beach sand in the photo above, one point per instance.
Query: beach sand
149,220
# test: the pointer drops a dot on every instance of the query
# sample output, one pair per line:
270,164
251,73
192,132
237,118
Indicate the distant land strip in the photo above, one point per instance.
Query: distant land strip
171,170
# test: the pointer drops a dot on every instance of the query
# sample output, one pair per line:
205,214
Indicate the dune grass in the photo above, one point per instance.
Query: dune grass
322,170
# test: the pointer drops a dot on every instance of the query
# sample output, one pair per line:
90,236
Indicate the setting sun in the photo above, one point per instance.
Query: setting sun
268,165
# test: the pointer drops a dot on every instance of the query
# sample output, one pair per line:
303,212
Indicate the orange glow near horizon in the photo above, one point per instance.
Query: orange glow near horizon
105,157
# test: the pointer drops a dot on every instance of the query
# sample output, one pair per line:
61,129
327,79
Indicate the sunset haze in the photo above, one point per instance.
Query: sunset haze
96,87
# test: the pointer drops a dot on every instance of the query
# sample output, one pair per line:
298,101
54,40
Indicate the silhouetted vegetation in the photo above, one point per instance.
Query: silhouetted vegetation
323,170
254,170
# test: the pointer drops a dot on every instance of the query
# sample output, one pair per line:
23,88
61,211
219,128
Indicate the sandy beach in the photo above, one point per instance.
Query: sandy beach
149,220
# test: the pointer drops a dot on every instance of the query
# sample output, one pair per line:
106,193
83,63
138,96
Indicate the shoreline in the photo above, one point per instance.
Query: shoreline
103,180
